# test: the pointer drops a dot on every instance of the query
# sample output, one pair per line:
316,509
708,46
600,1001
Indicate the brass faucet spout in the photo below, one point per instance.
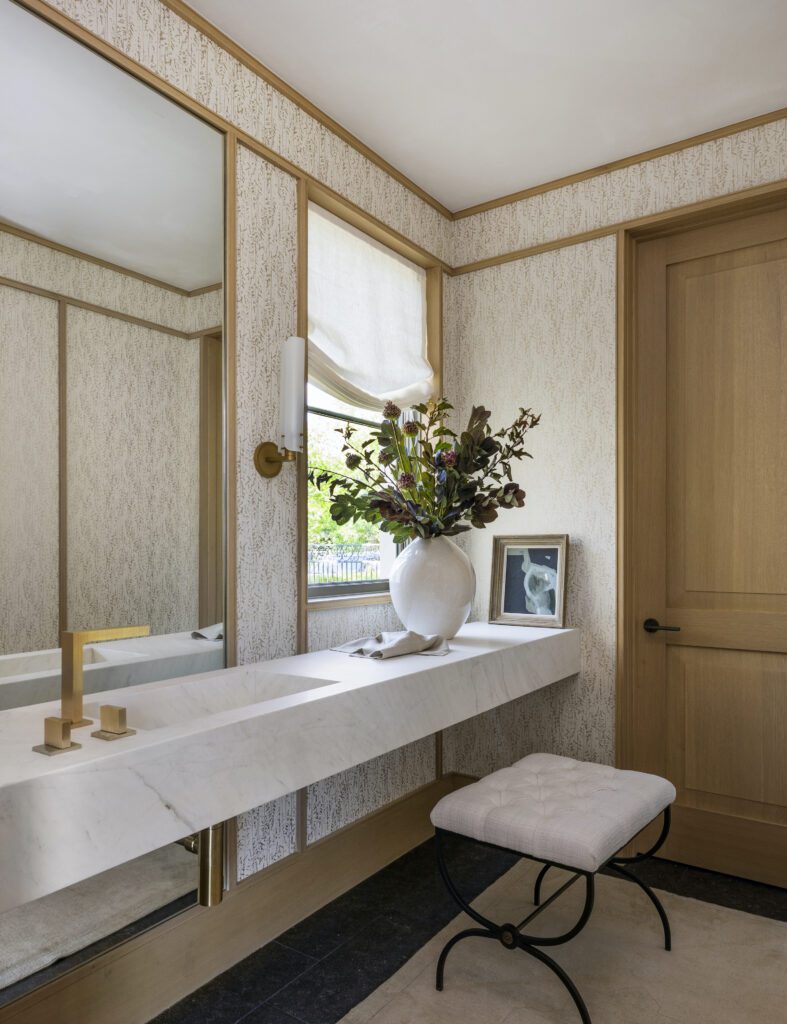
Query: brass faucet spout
72,675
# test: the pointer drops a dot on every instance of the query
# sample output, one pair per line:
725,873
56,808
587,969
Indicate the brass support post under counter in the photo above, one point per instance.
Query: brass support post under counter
211,866
208,845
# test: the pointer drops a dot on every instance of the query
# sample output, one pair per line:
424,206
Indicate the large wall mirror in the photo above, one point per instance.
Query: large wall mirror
111,408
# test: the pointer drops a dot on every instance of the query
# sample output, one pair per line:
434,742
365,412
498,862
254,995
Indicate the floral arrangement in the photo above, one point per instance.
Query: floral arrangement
415,477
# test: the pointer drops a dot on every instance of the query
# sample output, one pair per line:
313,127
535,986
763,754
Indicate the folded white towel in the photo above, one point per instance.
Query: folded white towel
209,632
393,645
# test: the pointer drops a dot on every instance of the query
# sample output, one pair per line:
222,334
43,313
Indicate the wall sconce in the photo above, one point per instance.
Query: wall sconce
271,455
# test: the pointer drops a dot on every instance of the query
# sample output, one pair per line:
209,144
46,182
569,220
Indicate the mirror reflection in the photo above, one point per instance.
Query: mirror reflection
111,253
111,409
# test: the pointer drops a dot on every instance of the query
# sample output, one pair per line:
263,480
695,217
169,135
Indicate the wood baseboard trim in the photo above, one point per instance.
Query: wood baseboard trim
133,982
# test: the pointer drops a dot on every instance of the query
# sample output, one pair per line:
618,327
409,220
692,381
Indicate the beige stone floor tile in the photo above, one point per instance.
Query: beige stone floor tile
726,967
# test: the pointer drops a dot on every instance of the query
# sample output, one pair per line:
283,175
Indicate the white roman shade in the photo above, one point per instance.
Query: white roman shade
367,318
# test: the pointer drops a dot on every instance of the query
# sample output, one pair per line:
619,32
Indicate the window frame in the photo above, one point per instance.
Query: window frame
371,591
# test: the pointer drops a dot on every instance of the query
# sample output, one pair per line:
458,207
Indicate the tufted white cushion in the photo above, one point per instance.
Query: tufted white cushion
556,809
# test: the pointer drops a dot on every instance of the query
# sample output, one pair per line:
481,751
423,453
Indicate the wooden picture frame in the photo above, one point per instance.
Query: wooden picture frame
544,562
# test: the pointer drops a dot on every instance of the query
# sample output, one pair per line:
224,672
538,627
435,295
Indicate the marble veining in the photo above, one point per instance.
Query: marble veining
66,818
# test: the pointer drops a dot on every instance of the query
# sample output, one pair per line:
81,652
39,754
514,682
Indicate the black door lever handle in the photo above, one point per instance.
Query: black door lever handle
653,626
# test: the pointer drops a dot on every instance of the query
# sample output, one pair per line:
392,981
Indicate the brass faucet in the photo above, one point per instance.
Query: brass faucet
72,682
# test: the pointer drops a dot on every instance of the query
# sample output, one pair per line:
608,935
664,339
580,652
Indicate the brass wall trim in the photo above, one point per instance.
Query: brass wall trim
112,53
627,161
31,236
91,307
227,44
756,196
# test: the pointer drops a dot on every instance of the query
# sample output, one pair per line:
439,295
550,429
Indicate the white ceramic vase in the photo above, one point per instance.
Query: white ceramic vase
432,586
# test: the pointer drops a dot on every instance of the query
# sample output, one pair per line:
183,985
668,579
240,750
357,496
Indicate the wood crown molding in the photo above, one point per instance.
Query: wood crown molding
73,28
209,30
626,161
31,236
106,50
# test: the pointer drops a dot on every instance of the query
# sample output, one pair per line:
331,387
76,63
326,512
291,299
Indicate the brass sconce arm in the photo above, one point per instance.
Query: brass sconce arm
269,458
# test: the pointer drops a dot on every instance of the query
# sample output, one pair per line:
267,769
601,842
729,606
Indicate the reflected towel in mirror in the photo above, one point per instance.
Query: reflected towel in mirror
215,632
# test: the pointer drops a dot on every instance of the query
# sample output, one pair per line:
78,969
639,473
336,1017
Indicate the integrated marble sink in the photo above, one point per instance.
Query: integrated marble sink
177,701
211,746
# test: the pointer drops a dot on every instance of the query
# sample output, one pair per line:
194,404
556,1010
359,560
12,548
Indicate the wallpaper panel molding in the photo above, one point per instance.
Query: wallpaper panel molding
133,475
266,515
757,156
30,477
44,267
161,41
547,326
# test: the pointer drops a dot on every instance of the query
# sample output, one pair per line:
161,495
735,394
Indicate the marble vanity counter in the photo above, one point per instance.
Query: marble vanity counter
211,746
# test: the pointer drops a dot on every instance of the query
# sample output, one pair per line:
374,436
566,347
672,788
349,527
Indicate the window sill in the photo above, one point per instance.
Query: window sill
350,601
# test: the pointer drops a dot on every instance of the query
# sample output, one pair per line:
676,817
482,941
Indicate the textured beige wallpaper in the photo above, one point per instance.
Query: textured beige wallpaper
266,509
133,475
749,158
44,267
348,796
541,332
29,473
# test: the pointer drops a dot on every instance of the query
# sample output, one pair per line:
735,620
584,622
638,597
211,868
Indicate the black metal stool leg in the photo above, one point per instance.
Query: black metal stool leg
480,933
537,886
510,935
617,864
651,896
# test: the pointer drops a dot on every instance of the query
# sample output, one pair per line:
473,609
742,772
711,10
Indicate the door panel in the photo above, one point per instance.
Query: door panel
709,479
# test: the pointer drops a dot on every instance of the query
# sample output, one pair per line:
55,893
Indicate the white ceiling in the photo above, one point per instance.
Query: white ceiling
474,99
93,159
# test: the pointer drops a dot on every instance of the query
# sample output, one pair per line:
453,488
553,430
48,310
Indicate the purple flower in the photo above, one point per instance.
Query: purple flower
449,459
406,481
410,428
391,411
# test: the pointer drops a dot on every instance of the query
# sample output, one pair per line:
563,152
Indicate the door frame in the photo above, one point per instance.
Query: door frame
628,241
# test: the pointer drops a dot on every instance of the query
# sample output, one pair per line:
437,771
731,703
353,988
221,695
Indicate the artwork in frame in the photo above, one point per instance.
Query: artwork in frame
529,580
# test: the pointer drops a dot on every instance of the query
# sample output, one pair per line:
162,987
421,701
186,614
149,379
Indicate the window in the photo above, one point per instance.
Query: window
367,345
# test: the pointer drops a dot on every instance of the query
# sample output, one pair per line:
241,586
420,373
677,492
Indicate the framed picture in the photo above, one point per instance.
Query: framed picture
529,580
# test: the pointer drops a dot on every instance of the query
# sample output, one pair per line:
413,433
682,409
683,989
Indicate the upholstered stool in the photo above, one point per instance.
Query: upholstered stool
568,814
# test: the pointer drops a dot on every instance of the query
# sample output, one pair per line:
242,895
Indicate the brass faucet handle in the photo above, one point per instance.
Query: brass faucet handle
113,723
57,737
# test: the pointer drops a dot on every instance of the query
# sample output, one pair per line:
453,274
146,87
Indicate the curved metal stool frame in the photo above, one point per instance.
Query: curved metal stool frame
511,935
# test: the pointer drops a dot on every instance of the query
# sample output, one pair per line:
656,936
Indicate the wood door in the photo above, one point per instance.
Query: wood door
708,468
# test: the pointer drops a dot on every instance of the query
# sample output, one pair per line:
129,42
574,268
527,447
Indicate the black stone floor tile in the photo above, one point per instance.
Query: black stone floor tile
343,979
713,887
318,970
233,994
411,886
268,1014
